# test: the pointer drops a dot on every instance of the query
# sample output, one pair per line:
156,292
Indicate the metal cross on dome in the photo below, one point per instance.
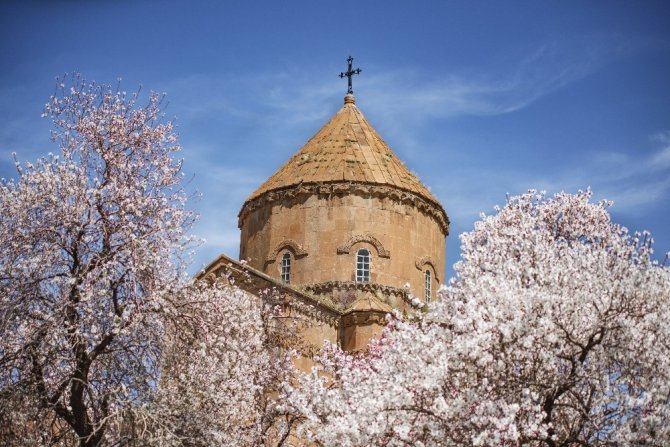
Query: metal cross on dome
349,73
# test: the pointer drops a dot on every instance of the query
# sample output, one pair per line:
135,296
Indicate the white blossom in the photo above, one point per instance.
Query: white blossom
92,286
554,333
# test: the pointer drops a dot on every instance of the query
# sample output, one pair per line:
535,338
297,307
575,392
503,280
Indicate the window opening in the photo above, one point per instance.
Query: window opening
427,283
286,268
363,265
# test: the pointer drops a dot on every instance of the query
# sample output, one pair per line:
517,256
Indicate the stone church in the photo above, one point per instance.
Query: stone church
344,232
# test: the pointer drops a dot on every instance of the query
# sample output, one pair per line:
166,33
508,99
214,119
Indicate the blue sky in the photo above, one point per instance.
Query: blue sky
480,99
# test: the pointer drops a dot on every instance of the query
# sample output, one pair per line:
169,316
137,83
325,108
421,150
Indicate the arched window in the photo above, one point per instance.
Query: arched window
363,265
427,286
286,268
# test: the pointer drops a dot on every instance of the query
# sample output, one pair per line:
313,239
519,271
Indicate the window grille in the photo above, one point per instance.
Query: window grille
363,265
286,268
427,286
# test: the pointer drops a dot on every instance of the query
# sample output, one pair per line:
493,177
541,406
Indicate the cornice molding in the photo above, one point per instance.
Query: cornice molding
329,286
329,189
367,237
312,311
359,318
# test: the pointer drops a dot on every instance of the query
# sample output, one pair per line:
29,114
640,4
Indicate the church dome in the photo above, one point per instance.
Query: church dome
346,149
344,218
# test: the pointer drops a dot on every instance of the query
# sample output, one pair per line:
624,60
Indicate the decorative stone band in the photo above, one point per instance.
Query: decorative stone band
328,189
429,261
326,288
296,248
359,318
367,237
312,310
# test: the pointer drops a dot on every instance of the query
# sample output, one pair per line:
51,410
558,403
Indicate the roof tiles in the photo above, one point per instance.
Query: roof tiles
346,148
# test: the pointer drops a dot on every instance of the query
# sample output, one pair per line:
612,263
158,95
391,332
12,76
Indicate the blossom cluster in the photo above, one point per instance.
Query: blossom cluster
219,372
92,285
554,332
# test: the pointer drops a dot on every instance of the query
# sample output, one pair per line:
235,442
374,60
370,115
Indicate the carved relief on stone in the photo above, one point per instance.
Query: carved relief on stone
310,310
296,248
427,260
346,247
326,288
361,318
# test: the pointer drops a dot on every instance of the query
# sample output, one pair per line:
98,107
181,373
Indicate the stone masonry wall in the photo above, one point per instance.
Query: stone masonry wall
323,233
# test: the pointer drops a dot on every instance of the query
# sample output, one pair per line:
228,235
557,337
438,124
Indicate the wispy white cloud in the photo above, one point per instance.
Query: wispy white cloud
517,85
661,159
224,189
292,98
280,111
636,183
283,97
633,183
22,130
228,121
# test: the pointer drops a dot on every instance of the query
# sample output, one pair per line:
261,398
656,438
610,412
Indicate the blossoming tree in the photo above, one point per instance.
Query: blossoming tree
221,373
554,333
92,247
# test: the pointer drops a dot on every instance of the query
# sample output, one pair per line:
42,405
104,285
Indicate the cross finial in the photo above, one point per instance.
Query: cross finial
349,73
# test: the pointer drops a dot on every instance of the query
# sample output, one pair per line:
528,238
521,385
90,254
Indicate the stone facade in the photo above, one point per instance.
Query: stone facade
322,233
344,195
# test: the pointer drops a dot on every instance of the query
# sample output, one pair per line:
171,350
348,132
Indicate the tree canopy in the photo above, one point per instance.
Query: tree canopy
554,332
94,297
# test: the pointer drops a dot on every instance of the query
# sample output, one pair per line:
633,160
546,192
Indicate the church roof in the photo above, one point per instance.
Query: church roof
367,304
346,149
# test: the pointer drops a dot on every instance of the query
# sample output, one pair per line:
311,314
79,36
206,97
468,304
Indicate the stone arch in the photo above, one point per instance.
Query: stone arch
296,248
370,239
427,260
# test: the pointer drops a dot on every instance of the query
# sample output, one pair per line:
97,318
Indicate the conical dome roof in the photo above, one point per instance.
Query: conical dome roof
346,149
